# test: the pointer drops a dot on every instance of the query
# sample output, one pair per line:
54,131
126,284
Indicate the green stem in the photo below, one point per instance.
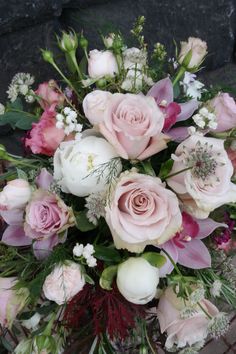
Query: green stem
74,60
177,173
148,340
202,308
20,163
173,263
179,74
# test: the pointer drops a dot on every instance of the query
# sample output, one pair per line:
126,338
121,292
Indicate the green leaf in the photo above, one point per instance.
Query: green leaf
107,277
26,123
165,168
17,104
21,174
107,254
43,310
82,222
26,315
155,259
88,279
7,345
83,65
21,120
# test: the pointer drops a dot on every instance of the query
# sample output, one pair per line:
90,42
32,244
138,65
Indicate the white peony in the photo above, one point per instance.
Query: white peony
82,167
137,280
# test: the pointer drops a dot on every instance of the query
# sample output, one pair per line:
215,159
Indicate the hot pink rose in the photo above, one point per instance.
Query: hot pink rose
46,215
224,108
206,185
50,98
11,303
142,212
133,124
44,137
182,332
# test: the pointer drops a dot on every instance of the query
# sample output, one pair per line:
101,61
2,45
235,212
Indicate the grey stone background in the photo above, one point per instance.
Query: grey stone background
28,25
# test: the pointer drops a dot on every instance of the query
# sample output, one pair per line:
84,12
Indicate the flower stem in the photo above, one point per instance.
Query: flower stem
177,173
202,308
173,263
179,74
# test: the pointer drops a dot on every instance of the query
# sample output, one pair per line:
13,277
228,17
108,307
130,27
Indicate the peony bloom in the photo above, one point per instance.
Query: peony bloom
95,104
76,162
11,301
44,137
137,280
199,51
64,282
133,125
142,212
15,195
101,63
50,98
224,107
46,215
206,185
182,332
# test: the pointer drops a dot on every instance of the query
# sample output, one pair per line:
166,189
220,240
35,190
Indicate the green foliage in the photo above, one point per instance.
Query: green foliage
107,254
82,222
165,168
155,259
107,277
21,120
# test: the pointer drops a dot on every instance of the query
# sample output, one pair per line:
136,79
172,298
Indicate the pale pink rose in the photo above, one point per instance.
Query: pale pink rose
224,107
133,125
44,137
65,281
206,185
46,215
198,48
95,104
50,98
142,212
15,195
11,303
182,332
101,63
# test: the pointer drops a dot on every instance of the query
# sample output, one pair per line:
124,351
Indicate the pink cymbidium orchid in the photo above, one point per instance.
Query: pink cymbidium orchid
186,248
163,94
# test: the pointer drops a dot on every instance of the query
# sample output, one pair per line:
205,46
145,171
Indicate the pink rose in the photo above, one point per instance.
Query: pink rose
95,104
50,98
206,185
133,124
15,195
224,108
182,332
101,63
64,282
11,302
142,212
232,156
46,215
44,137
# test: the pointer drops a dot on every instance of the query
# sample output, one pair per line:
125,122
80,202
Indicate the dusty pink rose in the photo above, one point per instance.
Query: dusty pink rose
50,98
232,156
142,212
95,104
182,332
198,48
15,195
11,303
224,108
133,125
46,215
206,185
44,137
101,63
64,282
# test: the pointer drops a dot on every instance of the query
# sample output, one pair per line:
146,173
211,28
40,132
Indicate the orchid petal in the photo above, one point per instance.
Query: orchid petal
43,248
162,90
172,250
207,226
195,255
178,134
12,217
14,235
187,109
44,179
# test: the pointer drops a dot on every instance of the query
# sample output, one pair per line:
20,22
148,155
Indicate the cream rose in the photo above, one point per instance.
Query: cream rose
133,125
76,163
101,63
64,282
142,212
15,195
206,185
137,280
95,104
198,48
224,108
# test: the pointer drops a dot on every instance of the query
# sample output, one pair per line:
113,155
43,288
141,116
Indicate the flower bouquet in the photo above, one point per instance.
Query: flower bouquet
119,218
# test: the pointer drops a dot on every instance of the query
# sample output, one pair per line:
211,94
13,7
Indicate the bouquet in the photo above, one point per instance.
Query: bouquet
118,221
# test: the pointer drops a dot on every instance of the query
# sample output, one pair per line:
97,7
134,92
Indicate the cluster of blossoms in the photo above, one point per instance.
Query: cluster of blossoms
112,206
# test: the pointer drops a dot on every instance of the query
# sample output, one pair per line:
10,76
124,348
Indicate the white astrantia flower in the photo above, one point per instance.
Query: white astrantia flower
218,325
20,84
95,203
2,109
191,86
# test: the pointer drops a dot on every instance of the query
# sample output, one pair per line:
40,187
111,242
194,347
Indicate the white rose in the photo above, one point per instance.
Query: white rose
199,51
94,105
64,282
102,63
82,167
2,109
15,195
137,280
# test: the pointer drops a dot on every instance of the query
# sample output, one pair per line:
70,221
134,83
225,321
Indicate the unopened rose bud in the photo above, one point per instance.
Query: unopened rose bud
108,40
48,56
83,42
192,53
68,42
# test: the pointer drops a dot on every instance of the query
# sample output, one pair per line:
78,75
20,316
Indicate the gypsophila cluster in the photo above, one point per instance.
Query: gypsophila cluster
20,84
2,109
191,86
95,203
218,325
205,119
86,252
67,120
216,288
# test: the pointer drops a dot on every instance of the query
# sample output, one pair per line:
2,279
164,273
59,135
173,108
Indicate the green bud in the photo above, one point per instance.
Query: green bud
101,83
68,42
83,42
48,56
143,349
